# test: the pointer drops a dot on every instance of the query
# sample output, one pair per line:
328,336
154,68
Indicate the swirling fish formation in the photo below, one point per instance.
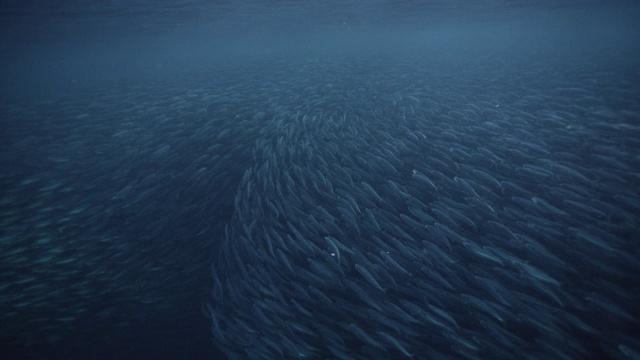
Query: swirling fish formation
395,217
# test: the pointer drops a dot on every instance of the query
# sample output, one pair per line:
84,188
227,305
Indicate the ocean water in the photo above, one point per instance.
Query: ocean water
319,180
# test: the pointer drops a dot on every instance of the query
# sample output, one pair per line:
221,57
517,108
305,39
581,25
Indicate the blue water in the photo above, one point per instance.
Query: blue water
151,155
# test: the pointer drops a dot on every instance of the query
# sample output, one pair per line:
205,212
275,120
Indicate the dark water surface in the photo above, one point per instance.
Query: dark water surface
319,180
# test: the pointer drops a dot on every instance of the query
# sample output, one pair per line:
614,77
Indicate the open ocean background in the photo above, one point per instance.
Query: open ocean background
381,179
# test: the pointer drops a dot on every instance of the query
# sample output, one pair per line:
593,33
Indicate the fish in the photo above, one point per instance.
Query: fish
329,209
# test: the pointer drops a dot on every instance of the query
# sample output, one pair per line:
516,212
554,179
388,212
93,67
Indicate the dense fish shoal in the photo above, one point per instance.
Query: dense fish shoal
330,209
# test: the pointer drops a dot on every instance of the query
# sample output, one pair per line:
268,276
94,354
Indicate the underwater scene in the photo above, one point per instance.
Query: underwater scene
386,179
